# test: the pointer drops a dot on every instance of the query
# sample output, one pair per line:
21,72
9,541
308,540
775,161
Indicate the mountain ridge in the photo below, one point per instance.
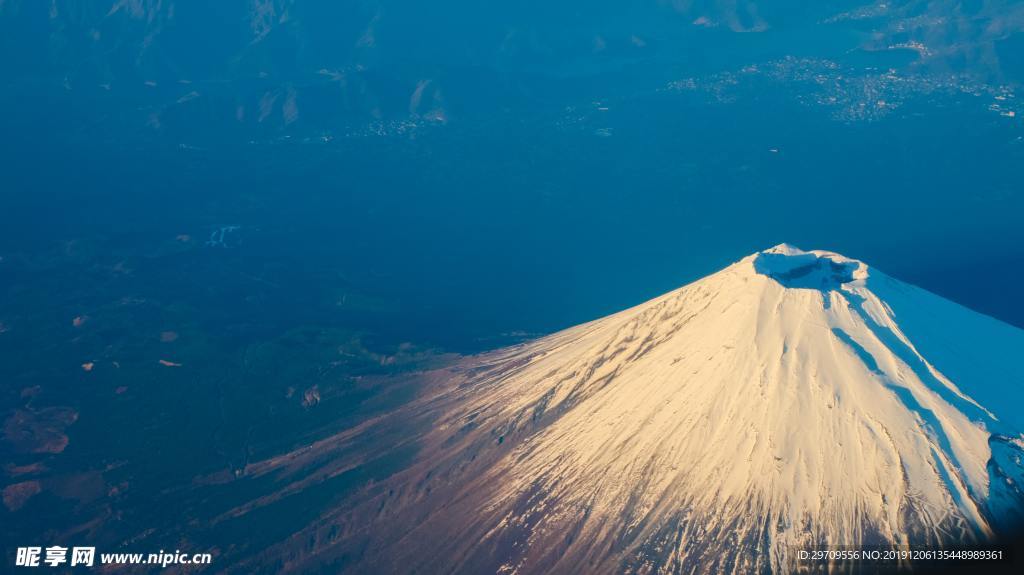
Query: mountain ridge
719,427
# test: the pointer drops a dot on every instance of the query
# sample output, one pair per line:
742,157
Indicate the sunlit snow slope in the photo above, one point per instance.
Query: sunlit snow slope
792,399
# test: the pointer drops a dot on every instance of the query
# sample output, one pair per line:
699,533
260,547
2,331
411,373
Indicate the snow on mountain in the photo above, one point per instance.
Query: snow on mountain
793,399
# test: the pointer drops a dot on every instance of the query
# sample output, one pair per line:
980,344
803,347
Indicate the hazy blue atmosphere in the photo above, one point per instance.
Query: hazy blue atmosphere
282,198
518,168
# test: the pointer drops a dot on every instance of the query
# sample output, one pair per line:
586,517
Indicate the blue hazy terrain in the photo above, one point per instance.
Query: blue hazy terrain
282,199
527,167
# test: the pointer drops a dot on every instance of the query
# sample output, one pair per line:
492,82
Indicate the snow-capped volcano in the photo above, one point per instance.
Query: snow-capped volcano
793,399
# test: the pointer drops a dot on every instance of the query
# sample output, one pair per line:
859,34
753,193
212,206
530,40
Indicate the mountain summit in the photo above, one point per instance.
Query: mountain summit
793,399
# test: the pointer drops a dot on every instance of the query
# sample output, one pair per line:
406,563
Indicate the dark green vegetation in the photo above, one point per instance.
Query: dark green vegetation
121,446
